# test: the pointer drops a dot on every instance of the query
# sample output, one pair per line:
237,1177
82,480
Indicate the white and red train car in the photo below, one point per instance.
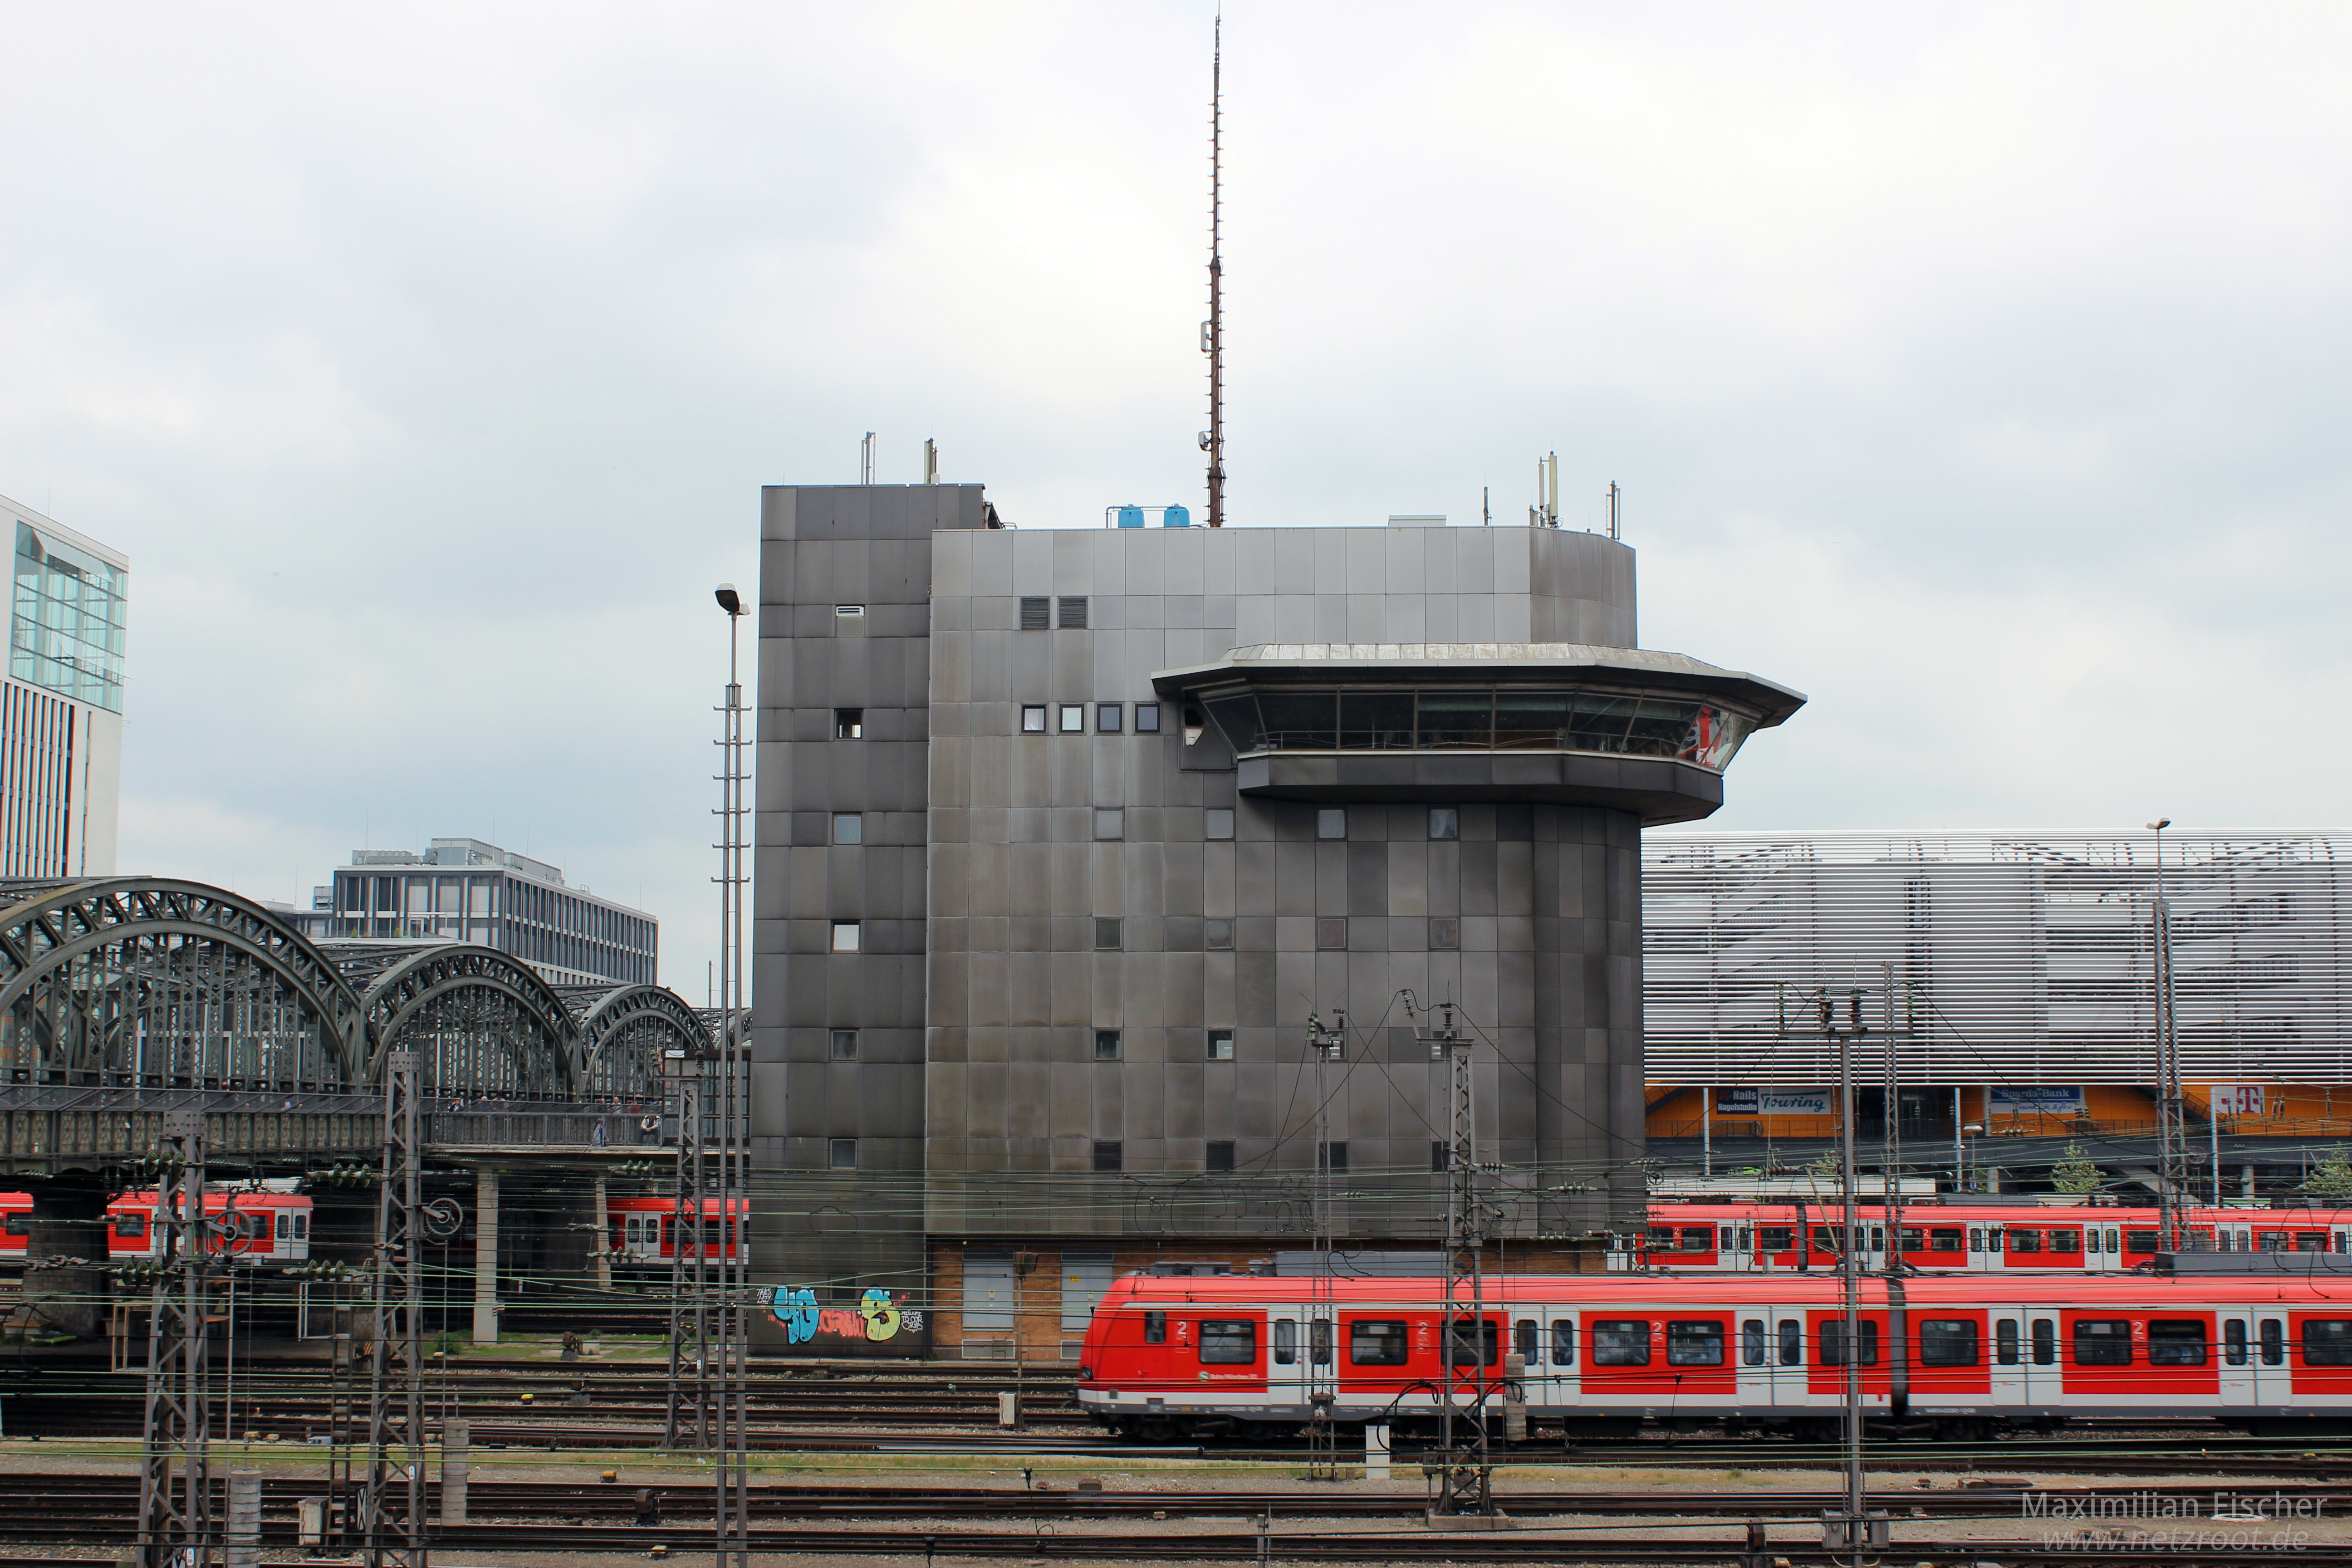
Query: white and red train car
1766,1237
1601,1355
645,1230
266,1225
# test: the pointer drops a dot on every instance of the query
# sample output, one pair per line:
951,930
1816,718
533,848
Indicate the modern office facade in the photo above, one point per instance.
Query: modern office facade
463,890
1063,835
61,701
2023,981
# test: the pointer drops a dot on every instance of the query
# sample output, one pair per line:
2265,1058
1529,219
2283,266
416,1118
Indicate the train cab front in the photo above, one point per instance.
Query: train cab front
1123,1371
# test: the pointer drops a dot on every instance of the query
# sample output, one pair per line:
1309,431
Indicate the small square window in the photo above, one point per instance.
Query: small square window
1074,612
1146,718
849,723
1036,614
1110,1157
1440,1158
1217,935
1106,935
1218,1156
1335,1159
1109,717
1331,822
845,936
848,828
1445,822
1105,1045
845,1045
1332,935
1073,718
1032,718
1445,935
841,1153
1111,821
849,620
1217,822
1221,1045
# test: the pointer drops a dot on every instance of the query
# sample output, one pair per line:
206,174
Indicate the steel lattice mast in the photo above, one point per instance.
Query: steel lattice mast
392,1500
1465,1476
175,1523
1213,331
732,1436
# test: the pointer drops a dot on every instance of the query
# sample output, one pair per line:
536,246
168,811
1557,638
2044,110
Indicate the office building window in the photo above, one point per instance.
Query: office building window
1110,1157
1217,935
1445,822
1106,717
1032,718
841,1153
1440,1159
848,828
1218,1156
845,1045
1331,822
1036,614
1106,935
1146,718
1335,1159
849,620
849,723
1073,718
1217,822
1445,935
845,936
1111,821
1105,1045
1221,1045
1332,935
1074,612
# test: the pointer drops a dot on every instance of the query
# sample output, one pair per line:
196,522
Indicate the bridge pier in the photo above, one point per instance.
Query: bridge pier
485,1256
68,1221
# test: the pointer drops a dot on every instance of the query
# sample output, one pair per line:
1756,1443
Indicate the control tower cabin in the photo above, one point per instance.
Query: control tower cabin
1064,833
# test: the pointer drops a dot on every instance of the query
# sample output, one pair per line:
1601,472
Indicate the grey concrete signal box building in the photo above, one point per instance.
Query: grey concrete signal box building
1062,835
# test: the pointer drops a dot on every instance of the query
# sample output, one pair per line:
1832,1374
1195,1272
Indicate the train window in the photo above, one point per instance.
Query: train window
1563,1342
2273,1241
2046,1342
2233,1343
285,1225
1661,1238
2274,1340
1829,1238
2311,1241
1621,1341
1914,1238
1744,1235
2066,1241
1286,1343
1155,1328
1878,1239
1776,1238
1376,1343
20,1225
1228,1341
2176,1342
1319,1341
2024,1240
130,1227
1751,1341
1792,1342
1523,1339
1949,1341
1698,1238
2327,1342
1976,1238
2112,1248
2139,1241
1833,1342
2102,1342
1463,1352
301,1228
1943,1238
1694,1341
2004,1342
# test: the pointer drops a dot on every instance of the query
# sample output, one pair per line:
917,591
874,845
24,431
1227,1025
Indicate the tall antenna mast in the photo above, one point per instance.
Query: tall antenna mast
1213,331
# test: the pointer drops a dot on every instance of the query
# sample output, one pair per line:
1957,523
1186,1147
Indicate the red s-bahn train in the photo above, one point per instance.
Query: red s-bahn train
266,1225
1604,1355
645,1230
1975,1237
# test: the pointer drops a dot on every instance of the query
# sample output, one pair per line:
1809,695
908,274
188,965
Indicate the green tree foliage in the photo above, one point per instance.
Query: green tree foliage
2076,1175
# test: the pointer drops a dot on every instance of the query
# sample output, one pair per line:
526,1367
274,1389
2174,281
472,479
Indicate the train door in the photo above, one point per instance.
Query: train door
2008,1383
2274,1374
1561,1369
641,1236
1787,1351
2235,1375
1755,1356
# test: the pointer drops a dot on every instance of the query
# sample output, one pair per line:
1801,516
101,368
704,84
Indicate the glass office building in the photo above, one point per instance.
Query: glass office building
61,703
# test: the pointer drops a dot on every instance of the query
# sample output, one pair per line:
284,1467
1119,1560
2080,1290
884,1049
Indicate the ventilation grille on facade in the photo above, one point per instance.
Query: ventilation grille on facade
1035,615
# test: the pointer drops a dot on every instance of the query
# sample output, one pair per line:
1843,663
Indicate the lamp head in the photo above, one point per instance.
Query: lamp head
1973,1127
2160,824
728,600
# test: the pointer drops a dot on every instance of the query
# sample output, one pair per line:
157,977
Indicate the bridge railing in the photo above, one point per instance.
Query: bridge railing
580,1126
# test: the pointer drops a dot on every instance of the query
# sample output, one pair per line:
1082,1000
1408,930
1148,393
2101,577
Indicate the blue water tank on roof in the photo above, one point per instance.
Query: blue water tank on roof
1175,517
1131,517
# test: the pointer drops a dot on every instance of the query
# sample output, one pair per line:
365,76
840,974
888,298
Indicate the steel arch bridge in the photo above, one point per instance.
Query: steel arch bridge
125,997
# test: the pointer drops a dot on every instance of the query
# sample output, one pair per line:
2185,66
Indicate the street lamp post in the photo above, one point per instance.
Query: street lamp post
734,1107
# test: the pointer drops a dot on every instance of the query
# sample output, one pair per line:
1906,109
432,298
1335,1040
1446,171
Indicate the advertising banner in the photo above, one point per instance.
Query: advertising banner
1775,1101
2055,1099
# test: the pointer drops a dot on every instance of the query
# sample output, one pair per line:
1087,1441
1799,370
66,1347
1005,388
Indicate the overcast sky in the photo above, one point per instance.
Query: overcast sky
1980,371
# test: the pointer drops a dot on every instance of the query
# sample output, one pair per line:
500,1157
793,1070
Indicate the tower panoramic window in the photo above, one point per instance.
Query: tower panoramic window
849,723
1146,718
1032,718
1109,1157
845,935
1073,718
1106,935
1106,1045
845,1045
1445,822
841,1153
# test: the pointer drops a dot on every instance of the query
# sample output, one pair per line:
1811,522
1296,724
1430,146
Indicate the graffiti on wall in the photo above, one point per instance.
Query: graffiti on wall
878,1320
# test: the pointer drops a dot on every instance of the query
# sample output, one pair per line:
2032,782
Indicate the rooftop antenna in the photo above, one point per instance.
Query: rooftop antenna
1212,340
865,459
930,462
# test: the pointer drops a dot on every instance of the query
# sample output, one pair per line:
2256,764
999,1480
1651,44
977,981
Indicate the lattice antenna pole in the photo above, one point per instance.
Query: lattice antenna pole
1213,331
392,1501
2171,1108
1466,1483
175,1523
1329,1046
733,1513
690,1425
